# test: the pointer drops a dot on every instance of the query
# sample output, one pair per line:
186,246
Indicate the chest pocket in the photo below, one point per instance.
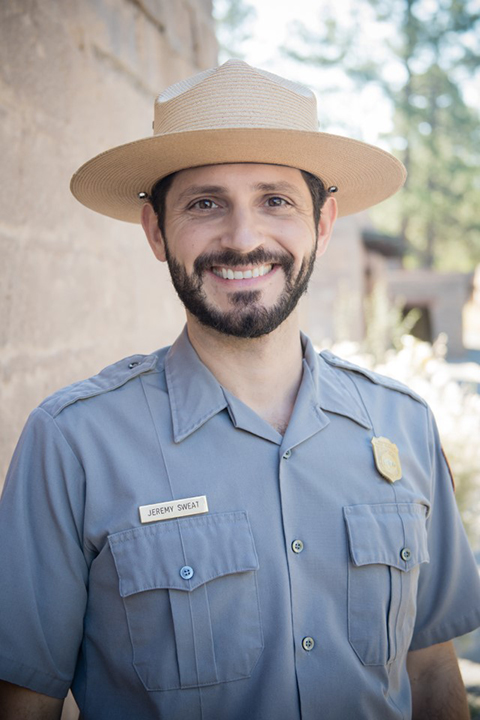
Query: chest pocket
189,588
387,543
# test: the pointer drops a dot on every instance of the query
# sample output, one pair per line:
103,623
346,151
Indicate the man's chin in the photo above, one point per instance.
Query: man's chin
246,323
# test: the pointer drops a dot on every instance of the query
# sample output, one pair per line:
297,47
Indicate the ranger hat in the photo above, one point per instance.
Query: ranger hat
236,114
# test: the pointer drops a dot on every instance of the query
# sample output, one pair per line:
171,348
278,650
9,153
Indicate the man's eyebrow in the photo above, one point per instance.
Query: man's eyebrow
193,190
281,186
197,190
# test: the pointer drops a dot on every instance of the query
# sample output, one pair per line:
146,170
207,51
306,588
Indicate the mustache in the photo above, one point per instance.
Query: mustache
230,258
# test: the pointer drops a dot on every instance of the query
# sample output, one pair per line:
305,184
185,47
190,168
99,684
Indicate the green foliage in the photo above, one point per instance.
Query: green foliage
386,324
423,58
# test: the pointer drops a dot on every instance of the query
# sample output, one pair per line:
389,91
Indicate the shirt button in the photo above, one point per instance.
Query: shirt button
406,554
186,572
297,546
308,643
286,454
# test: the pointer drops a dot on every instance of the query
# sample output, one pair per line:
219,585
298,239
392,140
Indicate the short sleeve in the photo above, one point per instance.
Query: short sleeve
448,600
42,565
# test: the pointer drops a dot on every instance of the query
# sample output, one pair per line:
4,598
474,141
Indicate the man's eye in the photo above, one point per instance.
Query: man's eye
276,201
204,204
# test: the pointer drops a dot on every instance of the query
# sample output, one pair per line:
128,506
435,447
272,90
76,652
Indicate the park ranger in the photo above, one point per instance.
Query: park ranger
235,527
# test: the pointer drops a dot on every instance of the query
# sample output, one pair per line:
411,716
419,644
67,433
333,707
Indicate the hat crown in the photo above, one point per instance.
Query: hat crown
235,95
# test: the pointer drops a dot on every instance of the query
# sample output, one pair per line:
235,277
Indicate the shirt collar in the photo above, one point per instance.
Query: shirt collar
336,392
196,395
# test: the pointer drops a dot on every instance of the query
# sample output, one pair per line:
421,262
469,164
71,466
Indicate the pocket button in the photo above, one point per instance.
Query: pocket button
186,572
406,554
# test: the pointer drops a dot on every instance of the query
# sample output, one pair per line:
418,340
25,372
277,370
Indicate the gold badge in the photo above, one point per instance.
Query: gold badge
387,460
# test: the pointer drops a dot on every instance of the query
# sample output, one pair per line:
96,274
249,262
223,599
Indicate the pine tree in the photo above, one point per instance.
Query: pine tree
422,68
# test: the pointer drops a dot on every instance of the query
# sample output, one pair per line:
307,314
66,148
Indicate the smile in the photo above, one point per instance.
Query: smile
229,274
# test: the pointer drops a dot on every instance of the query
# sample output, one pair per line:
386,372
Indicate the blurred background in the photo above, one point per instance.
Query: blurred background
398,290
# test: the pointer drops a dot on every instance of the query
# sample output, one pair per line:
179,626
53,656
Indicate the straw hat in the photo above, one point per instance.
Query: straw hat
236,114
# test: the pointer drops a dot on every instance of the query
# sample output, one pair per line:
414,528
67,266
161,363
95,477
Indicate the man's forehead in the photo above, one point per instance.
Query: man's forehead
251,173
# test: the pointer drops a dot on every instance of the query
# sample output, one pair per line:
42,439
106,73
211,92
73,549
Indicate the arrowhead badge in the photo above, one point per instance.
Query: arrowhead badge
387,459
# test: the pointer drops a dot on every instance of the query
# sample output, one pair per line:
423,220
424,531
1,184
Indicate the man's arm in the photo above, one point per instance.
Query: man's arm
438,692
19,703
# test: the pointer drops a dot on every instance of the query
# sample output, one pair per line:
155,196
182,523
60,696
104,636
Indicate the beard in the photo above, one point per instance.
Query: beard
248,318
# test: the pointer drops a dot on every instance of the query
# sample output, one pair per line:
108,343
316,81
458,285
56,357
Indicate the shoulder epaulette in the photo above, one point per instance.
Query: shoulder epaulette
374,377
110,378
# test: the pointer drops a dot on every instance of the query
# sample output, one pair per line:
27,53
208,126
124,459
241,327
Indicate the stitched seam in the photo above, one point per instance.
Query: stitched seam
169,526
40,672
101,391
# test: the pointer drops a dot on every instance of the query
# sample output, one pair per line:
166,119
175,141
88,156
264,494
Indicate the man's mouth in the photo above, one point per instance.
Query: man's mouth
229,274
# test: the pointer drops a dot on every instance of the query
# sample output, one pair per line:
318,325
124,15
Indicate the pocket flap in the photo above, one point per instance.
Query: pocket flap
388,534
152,556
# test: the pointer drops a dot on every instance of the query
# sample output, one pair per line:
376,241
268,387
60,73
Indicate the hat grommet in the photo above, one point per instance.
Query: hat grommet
142,195
333,189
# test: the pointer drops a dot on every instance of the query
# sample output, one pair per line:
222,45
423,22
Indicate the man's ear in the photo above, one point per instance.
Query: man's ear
152,231
325,224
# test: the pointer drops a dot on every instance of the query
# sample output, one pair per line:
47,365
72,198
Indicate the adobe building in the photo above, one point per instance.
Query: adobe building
359,260
78,290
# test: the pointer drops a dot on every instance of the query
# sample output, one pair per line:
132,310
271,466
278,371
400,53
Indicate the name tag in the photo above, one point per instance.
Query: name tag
173,509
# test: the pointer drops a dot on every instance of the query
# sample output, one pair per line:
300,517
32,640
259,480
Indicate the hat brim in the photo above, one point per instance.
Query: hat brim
110,182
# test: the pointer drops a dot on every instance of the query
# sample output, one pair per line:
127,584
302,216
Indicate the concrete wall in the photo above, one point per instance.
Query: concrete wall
77,290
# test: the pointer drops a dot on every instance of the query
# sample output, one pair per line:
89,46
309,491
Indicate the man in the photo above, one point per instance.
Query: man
234,527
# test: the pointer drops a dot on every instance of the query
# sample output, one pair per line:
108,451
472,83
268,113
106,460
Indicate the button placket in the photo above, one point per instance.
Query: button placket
297,546
308,643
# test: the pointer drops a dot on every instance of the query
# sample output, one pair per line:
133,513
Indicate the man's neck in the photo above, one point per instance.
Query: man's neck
264,373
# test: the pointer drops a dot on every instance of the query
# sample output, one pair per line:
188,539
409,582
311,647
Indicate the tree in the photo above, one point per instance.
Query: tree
422,60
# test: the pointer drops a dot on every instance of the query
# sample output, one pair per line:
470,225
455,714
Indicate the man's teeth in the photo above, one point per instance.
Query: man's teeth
229,274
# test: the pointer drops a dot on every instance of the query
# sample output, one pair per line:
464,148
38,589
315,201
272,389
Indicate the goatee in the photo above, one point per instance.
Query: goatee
248,318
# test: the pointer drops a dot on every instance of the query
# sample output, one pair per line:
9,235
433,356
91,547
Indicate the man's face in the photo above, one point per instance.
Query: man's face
240,243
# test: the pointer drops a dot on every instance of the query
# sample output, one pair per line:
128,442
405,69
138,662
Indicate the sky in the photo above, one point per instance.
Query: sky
362,115
342,109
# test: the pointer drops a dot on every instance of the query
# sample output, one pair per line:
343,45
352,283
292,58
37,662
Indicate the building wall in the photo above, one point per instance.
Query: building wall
443,295
333,308
77,290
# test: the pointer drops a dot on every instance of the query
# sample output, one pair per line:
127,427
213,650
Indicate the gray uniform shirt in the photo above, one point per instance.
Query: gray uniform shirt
299,593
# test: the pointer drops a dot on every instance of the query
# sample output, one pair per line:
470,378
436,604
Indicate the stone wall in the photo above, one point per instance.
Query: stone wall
77,290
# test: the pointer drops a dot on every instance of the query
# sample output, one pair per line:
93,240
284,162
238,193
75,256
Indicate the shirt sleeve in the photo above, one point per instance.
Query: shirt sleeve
42,565
448,600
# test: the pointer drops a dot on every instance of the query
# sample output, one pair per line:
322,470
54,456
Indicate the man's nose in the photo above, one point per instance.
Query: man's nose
242,231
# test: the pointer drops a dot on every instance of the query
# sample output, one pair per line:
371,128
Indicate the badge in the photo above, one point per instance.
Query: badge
387,460
173,509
